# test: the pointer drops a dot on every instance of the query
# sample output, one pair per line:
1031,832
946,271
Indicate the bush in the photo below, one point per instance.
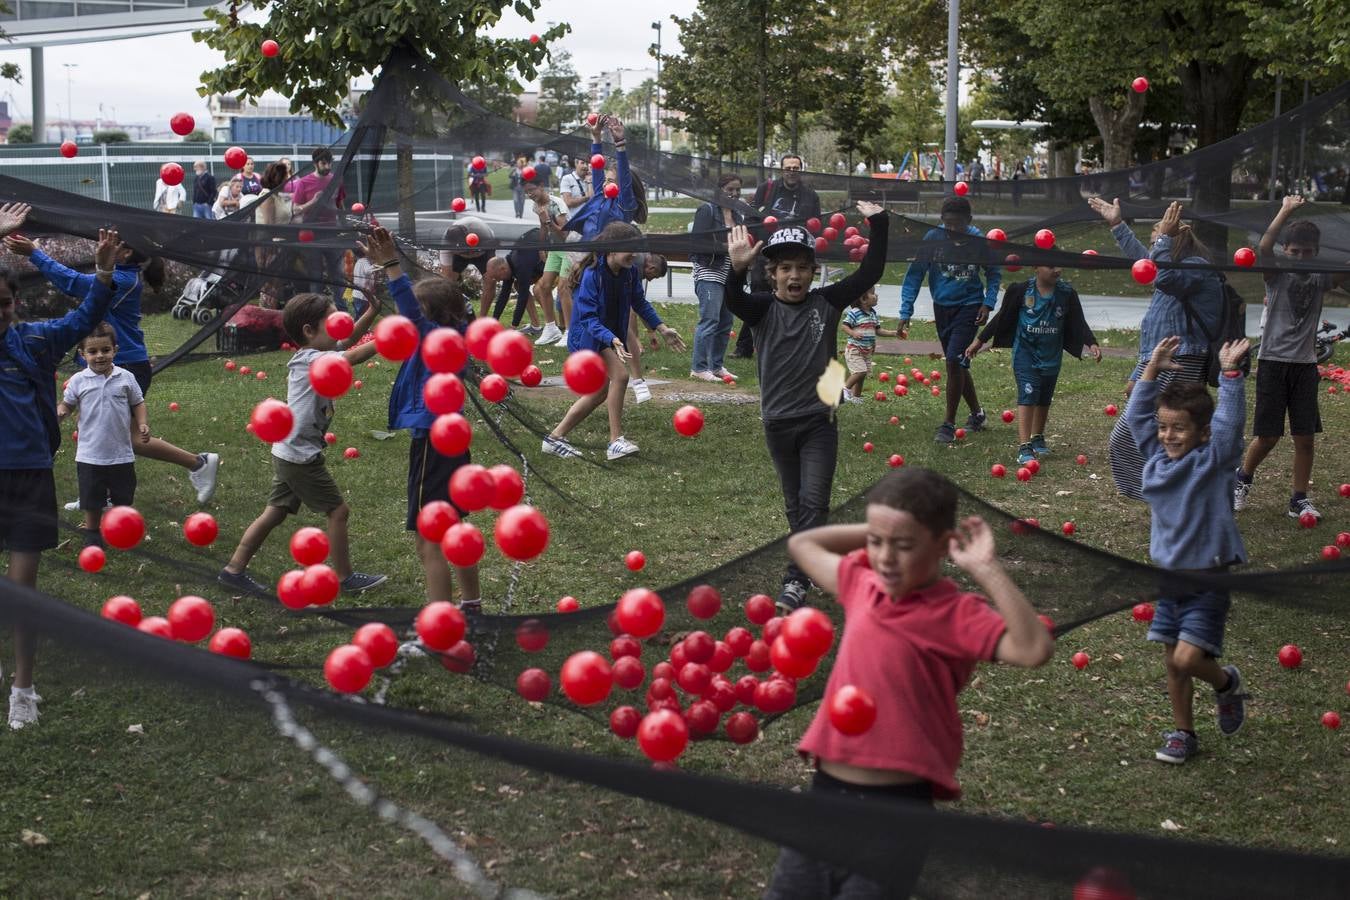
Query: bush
21,134
197,137
112,137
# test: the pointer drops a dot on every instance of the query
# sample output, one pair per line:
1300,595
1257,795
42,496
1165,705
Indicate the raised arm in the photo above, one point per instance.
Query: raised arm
819,550
873,266
1026,642
742,248
1230,415
70,329
1141,411
1130,245
1287,207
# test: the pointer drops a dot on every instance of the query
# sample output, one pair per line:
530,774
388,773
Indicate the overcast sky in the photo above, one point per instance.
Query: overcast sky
149,79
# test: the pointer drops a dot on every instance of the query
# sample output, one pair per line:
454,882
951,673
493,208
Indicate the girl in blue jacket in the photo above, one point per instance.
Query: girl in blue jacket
609,289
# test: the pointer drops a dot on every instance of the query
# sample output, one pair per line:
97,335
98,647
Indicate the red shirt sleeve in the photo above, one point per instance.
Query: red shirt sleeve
853,571
975,628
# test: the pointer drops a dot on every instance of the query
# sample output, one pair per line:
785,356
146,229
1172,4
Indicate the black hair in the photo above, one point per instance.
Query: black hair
791,156
275,175
441,300
614,231
927,496
1303,232
640,195
101,330
659,260
1189,397
321,154
152,268
727,179
302,310
10,280
790,253
957,206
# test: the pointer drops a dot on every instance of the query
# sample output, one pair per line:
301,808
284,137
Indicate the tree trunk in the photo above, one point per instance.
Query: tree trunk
794,129
1061,187
407,217
1215,95
1117,127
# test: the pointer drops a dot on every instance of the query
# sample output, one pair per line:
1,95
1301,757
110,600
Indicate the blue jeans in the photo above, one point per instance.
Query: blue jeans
713,332
202,211
1197,618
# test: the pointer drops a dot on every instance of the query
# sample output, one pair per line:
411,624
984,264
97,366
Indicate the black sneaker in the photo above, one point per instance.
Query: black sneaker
1232,703
946,433
1303,506
471,607
791,598
357,582
244,583
976,421
93,538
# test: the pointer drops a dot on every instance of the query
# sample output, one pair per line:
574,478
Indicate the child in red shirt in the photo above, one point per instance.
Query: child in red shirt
911,640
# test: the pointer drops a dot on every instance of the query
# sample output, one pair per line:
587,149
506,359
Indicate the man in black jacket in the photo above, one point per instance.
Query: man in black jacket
204,191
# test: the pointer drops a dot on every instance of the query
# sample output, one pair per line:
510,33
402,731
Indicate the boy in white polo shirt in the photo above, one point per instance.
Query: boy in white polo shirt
108,399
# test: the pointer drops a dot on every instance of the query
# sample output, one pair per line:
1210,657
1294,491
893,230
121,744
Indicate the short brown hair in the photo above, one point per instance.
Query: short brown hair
302,310
927,496
441,300
1303,232
1189,397
101,330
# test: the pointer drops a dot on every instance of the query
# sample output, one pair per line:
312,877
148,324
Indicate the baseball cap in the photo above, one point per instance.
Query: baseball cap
789,238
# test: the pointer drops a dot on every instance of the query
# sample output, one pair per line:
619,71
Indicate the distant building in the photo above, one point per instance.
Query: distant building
527,107
5,121
236,120
599,87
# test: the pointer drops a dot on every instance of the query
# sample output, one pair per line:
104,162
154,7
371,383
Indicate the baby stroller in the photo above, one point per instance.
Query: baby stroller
207,292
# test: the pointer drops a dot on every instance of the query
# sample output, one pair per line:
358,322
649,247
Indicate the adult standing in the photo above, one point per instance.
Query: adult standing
249,182
273,207
204,191
169,198
573,188
517,181
1185,302
316,204
713,332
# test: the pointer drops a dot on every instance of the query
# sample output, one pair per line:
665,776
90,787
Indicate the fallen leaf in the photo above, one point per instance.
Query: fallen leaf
32,838
135,729
1169,825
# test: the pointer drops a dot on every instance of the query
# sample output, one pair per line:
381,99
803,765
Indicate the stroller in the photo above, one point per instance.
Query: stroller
207,292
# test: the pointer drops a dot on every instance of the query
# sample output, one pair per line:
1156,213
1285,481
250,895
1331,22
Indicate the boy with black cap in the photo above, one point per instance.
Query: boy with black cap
792,331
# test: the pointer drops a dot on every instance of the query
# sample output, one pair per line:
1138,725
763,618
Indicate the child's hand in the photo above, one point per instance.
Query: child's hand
902,329
743,248
620,349
615,128
1096,353
1108,211
380,249
598,129
870,209
1170,223
673,339
1231,354
19,245
144,432
1291,202
972,544
105,255
974,348
1163,353
12,215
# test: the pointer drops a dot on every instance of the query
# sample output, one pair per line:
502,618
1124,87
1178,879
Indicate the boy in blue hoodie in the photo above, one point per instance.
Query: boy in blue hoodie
961,304
1191,450
29,355
430,304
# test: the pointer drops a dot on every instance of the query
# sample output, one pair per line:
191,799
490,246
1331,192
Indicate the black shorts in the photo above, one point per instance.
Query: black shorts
141,372
99,484
27,510
429,477
1286,388
956,328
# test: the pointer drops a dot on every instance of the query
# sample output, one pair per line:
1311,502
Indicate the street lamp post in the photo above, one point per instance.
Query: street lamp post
69,109
657,125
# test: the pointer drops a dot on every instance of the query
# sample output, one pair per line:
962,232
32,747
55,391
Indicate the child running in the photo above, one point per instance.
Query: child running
430,304
862,325
1041,319
108,399
911,640
795,346
1287,381
609,291
299,474
1190,451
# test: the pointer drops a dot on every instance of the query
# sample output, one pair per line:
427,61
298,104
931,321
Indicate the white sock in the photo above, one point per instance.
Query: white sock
21,692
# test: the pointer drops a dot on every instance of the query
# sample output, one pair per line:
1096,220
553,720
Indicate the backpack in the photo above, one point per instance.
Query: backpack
1232,327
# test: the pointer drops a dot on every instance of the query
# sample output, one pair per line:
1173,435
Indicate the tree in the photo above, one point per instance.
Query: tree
561,103
8,71
325,44
116,136
21,134
197,136
857,108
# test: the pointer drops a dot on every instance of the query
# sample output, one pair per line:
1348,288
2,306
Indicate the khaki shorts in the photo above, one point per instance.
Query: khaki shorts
859,362
558,261
308,483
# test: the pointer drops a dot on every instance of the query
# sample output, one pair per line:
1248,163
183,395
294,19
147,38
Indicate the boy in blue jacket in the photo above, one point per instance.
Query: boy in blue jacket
630,205
1191,450
29,355
432,303
961,304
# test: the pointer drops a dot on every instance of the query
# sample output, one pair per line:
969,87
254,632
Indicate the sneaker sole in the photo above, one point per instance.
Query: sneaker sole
613,456
1172,760
362,590
1298,515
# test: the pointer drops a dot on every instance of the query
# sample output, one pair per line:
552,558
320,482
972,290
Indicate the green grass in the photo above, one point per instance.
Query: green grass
208,801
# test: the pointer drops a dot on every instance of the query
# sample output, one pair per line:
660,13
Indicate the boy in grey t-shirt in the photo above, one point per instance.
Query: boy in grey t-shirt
1286,377
299,475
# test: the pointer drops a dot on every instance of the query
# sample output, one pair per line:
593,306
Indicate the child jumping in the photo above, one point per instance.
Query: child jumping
1287,382
1041,319
862,325
609,291
911,640
298,471
1190,451
108,399
794,347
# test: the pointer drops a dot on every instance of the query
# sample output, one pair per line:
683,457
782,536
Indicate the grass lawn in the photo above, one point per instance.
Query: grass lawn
209,801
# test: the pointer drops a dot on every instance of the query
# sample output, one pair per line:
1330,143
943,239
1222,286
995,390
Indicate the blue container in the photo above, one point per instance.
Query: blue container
246,130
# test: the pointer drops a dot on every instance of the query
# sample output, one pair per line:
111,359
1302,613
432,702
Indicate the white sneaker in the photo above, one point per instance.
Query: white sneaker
72,506
23,708
723,373
621,447
1242,491
703,376
641,394
204,479
559,448
551,335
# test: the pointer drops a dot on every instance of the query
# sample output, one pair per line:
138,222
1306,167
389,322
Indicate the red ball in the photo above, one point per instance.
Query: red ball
171,173
788,663
597,160
1090,252
895,420
396,338
443,394
770,220
330,375
996,234
1103,883
339,325
960,432
896,461
1144,271
1331,552
1012,262
808,632
838,220
813,225
1142,612
1245,257
1080,660
704,601
458,204
1290,656
852,710
635,560
611,190
494,388
348,669
584,371
472,487
1343,539
521,532
245,370
688,420
533,685
358,208
270,48
191,619
231,642
961,189
200,529
1331,719
901,390
879,396
463,545
699,646
271,421
444,351
173,407
624,645
235,157
742,728
182,124
745,689
568,605
508,487
319,585
122,609
662,735
998,470
1139,85
1045,239
528,173
772,629
1048,622
628,672
641,612
586,678
822,244
1111,409
478,163
440,625
451,434
702,717
830,233
1344,490
775,695
1081,460
694,678
460,658
122,527
624,722
379,642
1023,474
531,636
156,625
530,376
1308,520
288,590
759,609
472,239
739,640
478,337
309,546
1008,416
509,352
69,149
1068,528
723,658
305,236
